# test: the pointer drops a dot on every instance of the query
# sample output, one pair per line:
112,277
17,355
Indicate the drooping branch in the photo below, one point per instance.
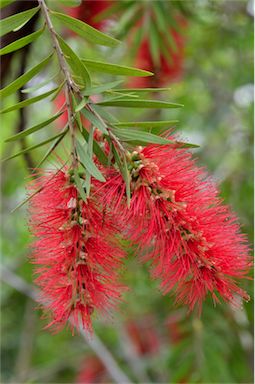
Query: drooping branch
69,83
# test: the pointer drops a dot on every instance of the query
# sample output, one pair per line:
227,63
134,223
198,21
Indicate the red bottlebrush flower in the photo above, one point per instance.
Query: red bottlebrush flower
88,10
75,252
177,219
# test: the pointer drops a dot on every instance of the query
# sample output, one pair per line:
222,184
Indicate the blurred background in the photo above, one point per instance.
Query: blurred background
203,51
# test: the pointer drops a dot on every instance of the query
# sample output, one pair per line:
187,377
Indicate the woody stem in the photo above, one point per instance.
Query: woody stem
69,83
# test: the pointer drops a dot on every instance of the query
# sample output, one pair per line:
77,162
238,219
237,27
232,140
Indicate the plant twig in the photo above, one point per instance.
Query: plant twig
70,84
94,342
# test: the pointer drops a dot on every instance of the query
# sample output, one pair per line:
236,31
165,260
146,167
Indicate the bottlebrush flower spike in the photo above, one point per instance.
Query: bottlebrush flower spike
75,252
180,225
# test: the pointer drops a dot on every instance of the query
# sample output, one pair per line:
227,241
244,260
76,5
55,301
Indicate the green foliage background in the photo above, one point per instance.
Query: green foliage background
216,91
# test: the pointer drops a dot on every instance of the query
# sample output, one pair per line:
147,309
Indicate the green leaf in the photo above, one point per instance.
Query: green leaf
27,102
87,163
86,31
27,199
79,185
33,129
127,178
4,3
58,91
75,63
101,88
130,103
70,3
33,147
90,154
115,69
81,105
101,156
20,43
154,45
142,90
127,19
94,120
144,137
39,85
146,124
104,114
23,79
116,156
15,21
52,147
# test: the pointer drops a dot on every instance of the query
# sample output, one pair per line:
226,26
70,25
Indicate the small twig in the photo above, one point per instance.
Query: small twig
70,84
94,342
72,87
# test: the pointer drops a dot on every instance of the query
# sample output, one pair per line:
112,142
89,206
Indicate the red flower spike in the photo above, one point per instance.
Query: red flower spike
75,252
180,225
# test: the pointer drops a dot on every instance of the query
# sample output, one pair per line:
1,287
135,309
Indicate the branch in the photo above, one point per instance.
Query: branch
69,85
94,342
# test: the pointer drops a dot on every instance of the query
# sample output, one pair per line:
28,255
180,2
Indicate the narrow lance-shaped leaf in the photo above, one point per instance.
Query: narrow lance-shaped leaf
40,85
35,193
105,114
4,3
86,31
58,90
90,154
13,22
52,147
146,137
75,63
71,3
23,79
20,43
33,147
127,178
112,96
27,102
33,129
101,156
87,163
130,103
115,69
101,88
116,157
142,90
146,124
94,120
81,105
154,45
79,185
143,137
